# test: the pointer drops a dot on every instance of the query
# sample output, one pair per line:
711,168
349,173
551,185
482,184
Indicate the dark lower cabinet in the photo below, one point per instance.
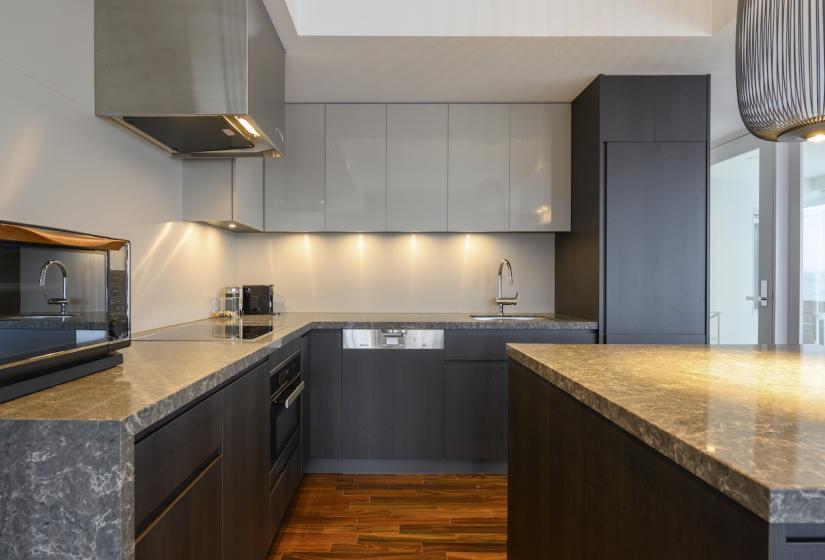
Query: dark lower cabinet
190,527
283,491
475,412
202,477
324,395
179,448
246,465
581,488
393,404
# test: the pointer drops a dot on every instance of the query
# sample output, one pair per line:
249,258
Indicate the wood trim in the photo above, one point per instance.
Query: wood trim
42,236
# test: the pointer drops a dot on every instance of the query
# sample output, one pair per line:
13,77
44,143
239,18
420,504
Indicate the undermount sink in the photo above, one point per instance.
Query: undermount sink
508,318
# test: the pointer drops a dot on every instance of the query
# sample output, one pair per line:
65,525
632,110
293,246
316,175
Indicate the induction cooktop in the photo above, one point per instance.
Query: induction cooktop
234,330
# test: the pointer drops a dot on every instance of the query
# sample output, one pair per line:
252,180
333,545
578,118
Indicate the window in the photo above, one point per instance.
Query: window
812,289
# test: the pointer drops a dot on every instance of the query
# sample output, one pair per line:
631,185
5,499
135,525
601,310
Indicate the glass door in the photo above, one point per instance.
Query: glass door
741,243
812,280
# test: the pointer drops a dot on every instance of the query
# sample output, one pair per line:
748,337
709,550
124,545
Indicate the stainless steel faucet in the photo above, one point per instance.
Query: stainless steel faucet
63,302
501,301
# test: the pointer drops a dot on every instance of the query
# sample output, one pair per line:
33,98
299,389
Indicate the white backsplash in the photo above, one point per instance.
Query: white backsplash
375,272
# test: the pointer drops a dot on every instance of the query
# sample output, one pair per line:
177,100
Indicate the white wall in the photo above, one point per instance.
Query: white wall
61,166
398,272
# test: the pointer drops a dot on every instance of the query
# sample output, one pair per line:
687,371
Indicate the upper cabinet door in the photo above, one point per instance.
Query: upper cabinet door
295,183
417,167
628,108
540,167
682,108
479,172
248,192
356,167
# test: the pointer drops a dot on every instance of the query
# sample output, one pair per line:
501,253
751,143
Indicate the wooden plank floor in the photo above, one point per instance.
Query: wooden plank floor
396,517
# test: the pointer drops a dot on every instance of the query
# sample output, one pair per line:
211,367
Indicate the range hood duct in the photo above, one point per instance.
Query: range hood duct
199,78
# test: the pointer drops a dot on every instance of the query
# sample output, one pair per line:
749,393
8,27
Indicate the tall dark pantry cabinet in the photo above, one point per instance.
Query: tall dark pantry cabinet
636,259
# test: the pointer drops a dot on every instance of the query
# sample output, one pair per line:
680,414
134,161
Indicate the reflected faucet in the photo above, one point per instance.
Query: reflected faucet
63,302
501,301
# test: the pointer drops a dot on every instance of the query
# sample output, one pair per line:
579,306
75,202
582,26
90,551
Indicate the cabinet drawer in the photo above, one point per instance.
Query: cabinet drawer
190,529
283,491
490,345
170,456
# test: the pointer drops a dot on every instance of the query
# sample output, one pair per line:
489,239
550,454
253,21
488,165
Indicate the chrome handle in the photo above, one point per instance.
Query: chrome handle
290,400
762,298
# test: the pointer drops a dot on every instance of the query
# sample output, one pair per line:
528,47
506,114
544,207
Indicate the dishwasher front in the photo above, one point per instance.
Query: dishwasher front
393,339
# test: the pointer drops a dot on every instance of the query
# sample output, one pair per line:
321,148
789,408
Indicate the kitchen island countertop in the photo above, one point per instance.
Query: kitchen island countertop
747,420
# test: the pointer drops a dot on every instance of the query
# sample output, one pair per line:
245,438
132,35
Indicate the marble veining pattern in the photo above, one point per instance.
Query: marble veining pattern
80,470
749,421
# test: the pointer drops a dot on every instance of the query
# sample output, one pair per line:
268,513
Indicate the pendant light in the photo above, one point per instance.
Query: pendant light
780,69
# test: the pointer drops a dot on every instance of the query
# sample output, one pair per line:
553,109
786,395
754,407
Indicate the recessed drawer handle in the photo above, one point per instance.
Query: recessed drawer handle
290,400
393,333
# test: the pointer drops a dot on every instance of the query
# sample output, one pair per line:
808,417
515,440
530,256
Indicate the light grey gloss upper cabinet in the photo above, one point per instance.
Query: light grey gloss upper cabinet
479,167
540,167
224,191
294,184
417,167
356,167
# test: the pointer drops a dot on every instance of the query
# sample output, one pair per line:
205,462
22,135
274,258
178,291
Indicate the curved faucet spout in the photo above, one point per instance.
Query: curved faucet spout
64,301
501,301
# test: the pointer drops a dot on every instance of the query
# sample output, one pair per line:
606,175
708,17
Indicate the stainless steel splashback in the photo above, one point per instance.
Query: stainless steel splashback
196,77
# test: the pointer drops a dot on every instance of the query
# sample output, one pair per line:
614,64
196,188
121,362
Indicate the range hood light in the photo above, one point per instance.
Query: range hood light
249,128
816,138
233,226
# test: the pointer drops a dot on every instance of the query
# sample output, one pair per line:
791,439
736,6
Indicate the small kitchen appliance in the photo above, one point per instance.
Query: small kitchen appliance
257,300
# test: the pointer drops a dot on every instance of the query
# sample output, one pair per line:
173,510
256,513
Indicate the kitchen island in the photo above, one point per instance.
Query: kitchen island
67,454
666,452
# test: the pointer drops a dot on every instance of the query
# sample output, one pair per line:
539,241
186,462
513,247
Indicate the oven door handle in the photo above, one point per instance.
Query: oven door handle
293,396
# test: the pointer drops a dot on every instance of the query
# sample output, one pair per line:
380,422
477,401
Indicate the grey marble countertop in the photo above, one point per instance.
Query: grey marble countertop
74,321
158,377
748,420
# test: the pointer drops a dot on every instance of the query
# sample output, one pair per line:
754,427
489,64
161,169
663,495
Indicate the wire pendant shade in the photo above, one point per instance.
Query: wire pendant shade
780,68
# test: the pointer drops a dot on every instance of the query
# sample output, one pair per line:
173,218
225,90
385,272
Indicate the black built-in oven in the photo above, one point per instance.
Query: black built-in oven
286,386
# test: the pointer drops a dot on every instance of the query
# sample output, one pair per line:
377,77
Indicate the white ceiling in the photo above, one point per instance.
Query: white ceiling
497,69
502,18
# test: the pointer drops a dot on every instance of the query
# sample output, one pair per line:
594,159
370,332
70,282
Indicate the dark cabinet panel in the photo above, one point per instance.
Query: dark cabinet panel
283,491
682,108
581,487
172,454
246,465
190,528
656,238
393,404
628,108
475,411
491,344
325,395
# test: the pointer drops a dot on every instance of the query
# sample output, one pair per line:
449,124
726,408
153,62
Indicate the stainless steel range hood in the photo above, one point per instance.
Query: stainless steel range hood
200,78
